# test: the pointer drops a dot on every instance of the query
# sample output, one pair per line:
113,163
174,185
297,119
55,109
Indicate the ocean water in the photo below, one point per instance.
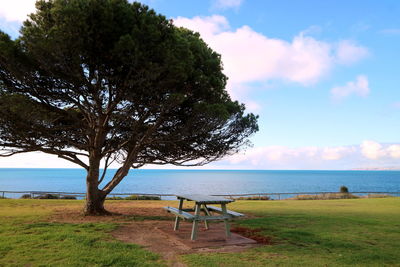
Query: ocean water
204,181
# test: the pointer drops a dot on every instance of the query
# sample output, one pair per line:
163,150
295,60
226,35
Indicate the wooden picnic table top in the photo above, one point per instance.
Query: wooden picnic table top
205,199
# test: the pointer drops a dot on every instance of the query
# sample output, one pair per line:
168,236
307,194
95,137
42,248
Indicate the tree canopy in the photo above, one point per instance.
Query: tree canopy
92,80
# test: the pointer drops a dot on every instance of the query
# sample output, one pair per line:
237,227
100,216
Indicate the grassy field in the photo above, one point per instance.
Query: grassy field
357,232
27,238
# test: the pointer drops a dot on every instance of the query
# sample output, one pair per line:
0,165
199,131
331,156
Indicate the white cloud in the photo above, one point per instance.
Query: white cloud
206,26
349,52
372,150
335,153
265,155
394,151
224,4
260,155
16,10
250,56
358,87
35,160
368,154
336,157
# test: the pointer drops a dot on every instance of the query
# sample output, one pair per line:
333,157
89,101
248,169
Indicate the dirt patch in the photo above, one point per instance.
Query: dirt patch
146,235
120,212
212,238
159,237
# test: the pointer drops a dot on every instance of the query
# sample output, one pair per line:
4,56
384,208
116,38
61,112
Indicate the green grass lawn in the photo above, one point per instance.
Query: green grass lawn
27,239
360,232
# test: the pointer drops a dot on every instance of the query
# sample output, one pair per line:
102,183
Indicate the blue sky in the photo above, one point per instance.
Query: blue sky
324,76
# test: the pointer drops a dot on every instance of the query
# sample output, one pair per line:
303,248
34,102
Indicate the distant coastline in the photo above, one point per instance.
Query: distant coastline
377,169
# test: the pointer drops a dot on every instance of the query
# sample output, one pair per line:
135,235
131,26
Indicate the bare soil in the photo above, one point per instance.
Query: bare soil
120,212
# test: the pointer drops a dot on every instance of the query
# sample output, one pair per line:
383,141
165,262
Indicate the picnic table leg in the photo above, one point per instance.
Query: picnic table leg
207,212
195,222
177,219
227,226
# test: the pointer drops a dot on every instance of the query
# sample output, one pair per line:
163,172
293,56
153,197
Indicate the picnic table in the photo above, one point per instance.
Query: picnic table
202,205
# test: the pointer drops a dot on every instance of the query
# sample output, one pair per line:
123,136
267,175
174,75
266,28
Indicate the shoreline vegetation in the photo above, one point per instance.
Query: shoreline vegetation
299,196
322,196
329,196
54,196
342,194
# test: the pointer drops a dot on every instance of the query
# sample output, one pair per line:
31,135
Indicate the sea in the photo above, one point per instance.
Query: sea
209,182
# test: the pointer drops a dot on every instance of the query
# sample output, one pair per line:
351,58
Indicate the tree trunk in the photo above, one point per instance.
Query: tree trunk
94,197
95,203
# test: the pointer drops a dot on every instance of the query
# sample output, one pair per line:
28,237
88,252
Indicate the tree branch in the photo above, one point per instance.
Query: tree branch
64,154
106,165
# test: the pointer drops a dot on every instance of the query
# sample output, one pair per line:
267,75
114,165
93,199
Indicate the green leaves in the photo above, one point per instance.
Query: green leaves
121,76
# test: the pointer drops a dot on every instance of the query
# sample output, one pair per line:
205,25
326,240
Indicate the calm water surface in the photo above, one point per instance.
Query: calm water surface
204,181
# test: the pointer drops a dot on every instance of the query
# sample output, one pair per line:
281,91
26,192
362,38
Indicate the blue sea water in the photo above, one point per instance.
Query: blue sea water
204,181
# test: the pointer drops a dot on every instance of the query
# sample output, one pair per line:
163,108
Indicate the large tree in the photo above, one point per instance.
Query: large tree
97,81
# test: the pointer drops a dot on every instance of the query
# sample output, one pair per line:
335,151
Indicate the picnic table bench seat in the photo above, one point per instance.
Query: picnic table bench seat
230,212
183,214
